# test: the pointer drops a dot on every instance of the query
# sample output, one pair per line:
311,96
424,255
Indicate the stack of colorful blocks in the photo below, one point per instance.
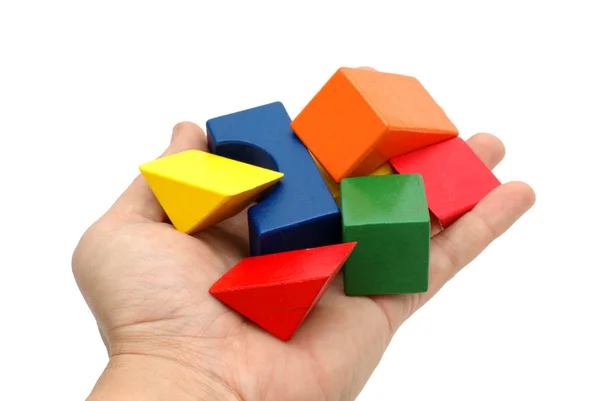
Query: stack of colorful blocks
350,183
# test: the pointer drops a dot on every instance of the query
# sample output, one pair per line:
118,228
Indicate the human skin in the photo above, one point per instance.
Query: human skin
168,339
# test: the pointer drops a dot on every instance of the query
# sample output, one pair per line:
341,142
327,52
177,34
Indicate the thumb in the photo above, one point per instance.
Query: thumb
186,136
138,202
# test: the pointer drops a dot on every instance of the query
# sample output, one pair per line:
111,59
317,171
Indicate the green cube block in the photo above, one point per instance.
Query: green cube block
389,218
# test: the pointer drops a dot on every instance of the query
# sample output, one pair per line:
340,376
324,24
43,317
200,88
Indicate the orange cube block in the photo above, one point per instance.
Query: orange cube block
361,119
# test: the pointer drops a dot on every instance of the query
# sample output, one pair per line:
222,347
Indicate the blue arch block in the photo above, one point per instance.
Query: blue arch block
299,212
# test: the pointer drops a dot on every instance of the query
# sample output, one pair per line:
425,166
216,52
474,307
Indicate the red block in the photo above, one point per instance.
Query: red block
277,291
455,178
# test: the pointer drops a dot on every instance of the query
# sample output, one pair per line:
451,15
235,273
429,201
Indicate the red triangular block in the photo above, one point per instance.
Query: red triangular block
278,291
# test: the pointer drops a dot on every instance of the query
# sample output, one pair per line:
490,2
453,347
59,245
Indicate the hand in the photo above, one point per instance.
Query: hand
168,339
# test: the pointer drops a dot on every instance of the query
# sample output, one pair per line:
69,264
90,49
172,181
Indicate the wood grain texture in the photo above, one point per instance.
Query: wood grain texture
278,291
361,118
388,217
197,189
455,178
299,212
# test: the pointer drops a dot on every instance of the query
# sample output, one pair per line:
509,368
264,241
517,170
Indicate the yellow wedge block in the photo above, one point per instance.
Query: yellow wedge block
334,187
197,189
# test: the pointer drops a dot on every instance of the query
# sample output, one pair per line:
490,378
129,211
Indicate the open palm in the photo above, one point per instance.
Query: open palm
147,285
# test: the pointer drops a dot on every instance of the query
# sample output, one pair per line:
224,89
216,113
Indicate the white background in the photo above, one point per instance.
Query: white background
89,92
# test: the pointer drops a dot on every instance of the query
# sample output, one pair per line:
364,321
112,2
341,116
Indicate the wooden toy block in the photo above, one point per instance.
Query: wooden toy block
385,169
198,189
334,187
388,217
299,212
278,291
360,119
455,178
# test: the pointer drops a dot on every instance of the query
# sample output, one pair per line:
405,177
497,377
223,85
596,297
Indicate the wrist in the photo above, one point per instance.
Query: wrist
151,378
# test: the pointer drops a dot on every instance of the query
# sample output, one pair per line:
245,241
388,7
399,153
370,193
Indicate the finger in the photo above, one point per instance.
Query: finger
138,201
490,150
186,135
462,242
436,226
